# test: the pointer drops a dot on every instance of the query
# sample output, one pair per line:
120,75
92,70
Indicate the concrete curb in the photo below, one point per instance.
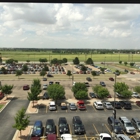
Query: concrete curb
29,112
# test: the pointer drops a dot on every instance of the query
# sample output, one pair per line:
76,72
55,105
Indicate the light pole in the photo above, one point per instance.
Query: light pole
104,61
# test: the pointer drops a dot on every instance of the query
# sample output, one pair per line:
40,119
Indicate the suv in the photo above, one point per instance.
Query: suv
136,123
50,127
98,105
52,106
121,137
78,125
127,125
115,125
116,104
81,105
63,125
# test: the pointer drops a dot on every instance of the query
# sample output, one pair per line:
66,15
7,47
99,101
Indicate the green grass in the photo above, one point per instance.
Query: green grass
1,106
34,56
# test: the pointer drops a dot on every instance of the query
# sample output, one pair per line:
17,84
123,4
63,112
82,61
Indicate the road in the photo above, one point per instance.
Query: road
7,118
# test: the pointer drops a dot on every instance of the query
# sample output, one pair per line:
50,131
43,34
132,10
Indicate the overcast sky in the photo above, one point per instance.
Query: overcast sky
40,25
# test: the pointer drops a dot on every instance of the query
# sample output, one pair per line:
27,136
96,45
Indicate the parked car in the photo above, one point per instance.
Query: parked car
37,129
45,95
104,136
50,127
51,82
1,95
135,95
52,106
138,103
72,106
107,105
66,137
127,125
44,86
119,95
63,106
109,96
87,84
44,79
63,125
115,125
92,95
81,105
126,104
121,137
88,79
51,137
132,72
98,105
78,125
116,104
136,123
57,82
49,75
111,79
26,87
102,83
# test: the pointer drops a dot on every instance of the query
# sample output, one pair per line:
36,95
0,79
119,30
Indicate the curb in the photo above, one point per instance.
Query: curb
29,112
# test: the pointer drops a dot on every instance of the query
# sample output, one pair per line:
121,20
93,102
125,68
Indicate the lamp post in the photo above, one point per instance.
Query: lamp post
104,61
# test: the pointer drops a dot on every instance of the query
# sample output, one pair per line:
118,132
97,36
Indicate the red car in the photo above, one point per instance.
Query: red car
132,72
81,105
109,96
138,103
111,79
26,87
1,95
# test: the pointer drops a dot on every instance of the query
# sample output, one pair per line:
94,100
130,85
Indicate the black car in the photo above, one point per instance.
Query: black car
45,95
88,79
78,125
37,129
63,125
116,104
115,125
44,79
92,95
50,127
57,83
102,83
49,75
125,104
87,84
51,82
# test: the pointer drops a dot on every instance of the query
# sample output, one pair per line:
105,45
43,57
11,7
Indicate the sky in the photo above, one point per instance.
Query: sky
44,25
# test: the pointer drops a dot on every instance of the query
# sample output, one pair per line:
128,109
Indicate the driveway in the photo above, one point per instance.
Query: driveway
7,118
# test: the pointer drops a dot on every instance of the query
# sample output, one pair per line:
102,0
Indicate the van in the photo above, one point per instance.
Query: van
52,106
66,137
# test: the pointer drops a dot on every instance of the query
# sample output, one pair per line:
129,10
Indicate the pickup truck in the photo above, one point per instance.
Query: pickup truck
81,105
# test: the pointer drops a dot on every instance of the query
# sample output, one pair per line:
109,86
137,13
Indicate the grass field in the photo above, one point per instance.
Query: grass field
1,106
35,56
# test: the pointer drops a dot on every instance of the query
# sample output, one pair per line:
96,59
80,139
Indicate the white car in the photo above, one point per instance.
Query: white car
45,86
105,136
135,94
98,105
66,137
107,105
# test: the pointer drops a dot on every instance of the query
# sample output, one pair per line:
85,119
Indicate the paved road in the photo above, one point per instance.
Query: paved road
7,118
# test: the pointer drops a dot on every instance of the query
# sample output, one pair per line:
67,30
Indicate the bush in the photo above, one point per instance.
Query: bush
137,89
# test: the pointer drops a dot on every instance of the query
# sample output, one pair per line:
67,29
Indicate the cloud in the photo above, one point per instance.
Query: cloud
23,39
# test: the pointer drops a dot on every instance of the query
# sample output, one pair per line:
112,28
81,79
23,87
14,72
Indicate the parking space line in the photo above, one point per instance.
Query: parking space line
108,128
57,130
132,137
123,109
95,129
85,137
70,130
94,108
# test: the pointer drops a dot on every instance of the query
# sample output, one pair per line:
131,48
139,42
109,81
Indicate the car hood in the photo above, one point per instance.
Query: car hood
37,132
79,128
50,130
130,128
63,128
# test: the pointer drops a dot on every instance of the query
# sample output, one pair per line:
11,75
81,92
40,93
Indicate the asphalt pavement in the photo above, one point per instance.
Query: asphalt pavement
7,118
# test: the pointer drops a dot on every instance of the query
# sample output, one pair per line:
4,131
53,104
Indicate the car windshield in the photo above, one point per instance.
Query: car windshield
117,124
128,125
52,105
37,128
49,126
63,125
99,104
106,138
73,105
78,124
108,104
139,124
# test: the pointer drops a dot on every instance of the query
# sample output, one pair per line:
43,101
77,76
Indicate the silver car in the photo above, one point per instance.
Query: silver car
107,105
72,106
121,137
135,95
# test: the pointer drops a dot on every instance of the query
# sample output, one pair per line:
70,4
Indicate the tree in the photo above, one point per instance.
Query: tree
21,120
93,73
42,73
83,68
54,61
102,69
3,69
43,60
125,63
10,61
102,92
81,94
46,68
18,73
64,60
76,61
27,61
56,91
25,68
132,64
79,86
120,62
6,89
89,61
69,73
0,60
96,88
137,89
37,83
33,95
126,93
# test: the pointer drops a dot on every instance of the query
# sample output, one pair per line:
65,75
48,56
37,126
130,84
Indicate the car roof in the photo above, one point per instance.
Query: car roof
66,136
50,121
81,101
51,137
52,103
136,119
38,122
72,103
124,136
105,135
98,102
